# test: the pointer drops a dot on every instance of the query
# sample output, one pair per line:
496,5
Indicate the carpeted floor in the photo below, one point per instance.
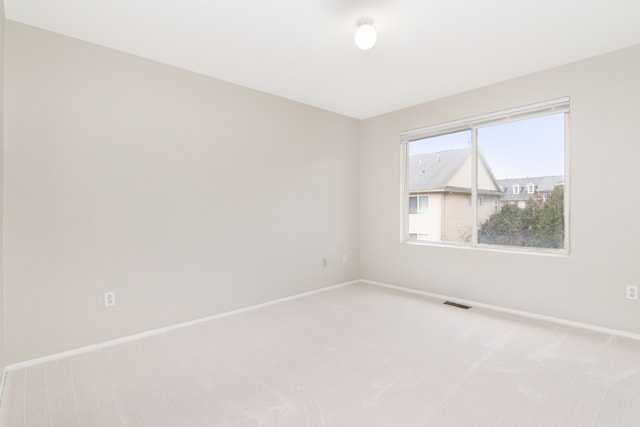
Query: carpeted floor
359,355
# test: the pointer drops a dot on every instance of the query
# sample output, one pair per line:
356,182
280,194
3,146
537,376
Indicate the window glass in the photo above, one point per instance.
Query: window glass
423,207
530,152
440,169
513,168
413,205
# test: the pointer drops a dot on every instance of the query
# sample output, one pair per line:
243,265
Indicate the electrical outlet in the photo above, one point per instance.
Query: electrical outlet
632,292
109,299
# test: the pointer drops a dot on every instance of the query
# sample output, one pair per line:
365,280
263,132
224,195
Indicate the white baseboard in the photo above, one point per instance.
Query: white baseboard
508,310
152,332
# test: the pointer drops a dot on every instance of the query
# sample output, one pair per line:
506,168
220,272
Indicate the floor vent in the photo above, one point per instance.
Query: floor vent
455,304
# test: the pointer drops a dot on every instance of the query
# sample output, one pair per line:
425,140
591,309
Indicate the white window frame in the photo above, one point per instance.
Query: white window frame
531,188
516,188
418,196
420,237
560,105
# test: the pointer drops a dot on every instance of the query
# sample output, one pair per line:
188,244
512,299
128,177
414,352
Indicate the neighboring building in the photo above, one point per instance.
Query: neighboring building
440,195
517,191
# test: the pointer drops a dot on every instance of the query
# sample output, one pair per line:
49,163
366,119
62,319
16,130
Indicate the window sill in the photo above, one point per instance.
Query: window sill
559,253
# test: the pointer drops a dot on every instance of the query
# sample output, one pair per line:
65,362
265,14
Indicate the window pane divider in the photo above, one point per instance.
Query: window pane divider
404,189
474,186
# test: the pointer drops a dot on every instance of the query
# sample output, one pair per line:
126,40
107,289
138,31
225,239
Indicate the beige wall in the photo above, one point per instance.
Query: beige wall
2,309
185,195
487,208
586,286
431,222
189,196
456,217
462,178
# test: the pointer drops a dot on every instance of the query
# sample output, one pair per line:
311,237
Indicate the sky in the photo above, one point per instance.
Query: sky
517,149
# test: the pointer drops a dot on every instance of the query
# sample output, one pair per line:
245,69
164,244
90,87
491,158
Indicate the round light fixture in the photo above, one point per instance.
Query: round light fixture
366,35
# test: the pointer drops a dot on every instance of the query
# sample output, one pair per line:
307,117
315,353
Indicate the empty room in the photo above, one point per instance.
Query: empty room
321,213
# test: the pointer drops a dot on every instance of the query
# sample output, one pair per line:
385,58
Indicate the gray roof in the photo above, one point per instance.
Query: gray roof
432,171
543,184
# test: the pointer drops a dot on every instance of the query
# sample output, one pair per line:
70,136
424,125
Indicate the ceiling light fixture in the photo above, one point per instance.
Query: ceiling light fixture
366,35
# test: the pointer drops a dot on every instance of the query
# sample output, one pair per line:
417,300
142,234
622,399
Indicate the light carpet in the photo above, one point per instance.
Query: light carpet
359,355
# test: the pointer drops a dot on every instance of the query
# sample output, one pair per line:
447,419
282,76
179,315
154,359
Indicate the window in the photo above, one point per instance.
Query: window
418,205
531,188
418,236
466,165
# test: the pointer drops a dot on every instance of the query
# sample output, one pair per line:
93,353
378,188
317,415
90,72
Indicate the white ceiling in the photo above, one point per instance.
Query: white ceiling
303,49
